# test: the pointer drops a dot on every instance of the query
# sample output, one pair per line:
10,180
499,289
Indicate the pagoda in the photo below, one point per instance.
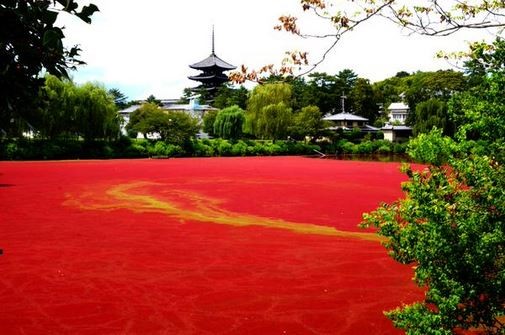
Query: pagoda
212,68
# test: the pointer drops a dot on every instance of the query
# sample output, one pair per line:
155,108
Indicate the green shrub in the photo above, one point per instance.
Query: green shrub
239,149
203,148
11,151
349,148
365,147
384,149
224,148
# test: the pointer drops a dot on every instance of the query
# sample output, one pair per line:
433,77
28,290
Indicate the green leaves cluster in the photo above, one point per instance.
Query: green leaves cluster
30,42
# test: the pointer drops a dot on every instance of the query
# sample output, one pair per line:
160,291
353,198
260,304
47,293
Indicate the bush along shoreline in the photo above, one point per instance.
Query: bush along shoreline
40,149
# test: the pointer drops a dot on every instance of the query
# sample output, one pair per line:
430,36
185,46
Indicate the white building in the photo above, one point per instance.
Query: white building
398,112
125,116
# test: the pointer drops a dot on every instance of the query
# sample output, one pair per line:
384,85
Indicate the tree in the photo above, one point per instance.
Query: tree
227,96
120,100
432,114
173,127
423,86
151,99
307,122
261,97
451,228
402,74
390,90
478,114
229,122
57,114
178,128
141,119
96,113
30,43
363,101
484,58
451,224
323,92
274,121
71,110
346,79
208,122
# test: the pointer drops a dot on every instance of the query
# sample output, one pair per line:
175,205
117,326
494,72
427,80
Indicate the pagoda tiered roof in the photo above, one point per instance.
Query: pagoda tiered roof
209,77
212,61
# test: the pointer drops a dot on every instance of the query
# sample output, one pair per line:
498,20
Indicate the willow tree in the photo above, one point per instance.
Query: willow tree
268,103
229,122
70,110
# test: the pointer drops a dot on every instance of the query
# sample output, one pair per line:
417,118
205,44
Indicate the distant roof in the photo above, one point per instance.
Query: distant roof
344,117
130,109
212,61
398,105
391,127
371,128
169,101
189,107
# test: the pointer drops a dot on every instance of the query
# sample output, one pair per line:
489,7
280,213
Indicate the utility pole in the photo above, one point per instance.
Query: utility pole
343,97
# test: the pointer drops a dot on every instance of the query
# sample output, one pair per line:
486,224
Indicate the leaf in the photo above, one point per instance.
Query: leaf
87,12
51,39
50,17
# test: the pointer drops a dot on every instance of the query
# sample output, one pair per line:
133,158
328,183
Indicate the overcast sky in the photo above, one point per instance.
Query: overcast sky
145,47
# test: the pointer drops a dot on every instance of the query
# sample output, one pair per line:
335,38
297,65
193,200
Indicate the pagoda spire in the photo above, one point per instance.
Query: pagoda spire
212,70
213,50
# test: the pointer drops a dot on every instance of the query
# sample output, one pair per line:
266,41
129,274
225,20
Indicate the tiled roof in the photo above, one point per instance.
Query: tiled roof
212,61
397,106
391,127
130,109
344,117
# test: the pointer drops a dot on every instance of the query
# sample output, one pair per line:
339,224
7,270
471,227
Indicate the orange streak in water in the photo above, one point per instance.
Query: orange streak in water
205,210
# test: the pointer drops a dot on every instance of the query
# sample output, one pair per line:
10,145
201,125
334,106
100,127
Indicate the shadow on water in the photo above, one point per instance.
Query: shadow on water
402,158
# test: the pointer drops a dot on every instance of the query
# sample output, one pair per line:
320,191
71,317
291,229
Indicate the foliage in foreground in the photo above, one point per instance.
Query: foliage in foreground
31,42
451,228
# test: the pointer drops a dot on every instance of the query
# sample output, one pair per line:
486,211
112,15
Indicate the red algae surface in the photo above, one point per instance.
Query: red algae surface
263,245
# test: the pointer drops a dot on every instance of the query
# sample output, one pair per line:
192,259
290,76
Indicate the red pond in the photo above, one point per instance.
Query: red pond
197,246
